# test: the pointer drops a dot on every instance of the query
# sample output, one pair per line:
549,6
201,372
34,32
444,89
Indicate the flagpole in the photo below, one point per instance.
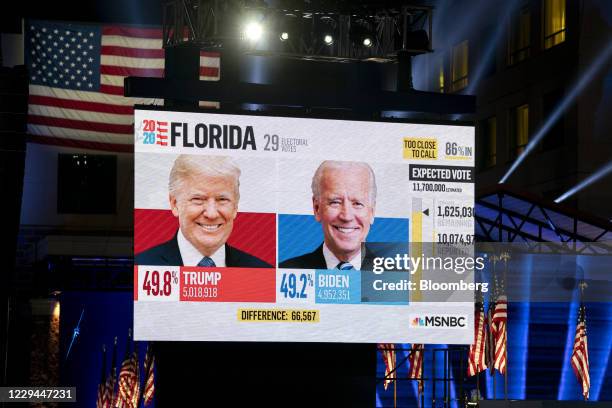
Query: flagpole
477,383
102,384
494,259
114,377
143,383
395,386
422,389
505,256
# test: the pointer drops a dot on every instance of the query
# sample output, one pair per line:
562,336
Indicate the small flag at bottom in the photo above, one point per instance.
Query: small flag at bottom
580,354
387,351
149,372
476,359
416,364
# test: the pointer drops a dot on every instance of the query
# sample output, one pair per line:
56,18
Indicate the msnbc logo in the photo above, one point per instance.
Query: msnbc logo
446,321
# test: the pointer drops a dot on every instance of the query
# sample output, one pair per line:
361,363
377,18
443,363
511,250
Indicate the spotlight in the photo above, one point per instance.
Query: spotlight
600,173
253,31
284,36
367,41
328,39
576,89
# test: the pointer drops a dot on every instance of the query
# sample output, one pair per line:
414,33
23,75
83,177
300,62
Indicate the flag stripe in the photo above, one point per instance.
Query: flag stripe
209,72
137,32
77,124
112,80
133,52
129,62
60,132
80,105
112,89
80,115
85,96
209,60
130,71
142,43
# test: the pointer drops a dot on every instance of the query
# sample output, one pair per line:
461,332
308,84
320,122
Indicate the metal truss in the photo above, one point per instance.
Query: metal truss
505,215
215,24
453,363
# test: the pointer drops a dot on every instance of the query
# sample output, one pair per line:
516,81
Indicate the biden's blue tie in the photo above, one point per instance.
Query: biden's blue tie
345,266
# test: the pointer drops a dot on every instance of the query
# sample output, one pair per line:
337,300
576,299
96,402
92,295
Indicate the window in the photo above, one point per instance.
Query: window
459,66
554,22
86,184
490,142
555,135
520,37
519,129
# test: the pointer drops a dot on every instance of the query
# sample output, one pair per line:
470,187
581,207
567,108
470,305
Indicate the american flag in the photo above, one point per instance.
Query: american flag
149,372
477,357
136,386
580,353
490,342
128,382
76,81
100,399
499,322
110,396
387,350
416,364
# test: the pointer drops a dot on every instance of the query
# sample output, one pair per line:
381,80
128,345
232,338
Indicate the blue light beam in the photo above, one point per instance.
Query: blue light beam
75,334
490,47
602,172
579,86
566,384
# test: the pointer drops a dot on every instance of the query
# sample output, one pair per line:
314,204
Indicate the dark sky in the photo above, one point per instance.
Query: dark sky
110,11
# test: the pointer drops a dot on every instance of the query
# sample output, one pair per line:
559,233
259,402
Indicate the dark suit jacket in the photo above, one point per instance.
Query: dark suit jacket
168,254
316,260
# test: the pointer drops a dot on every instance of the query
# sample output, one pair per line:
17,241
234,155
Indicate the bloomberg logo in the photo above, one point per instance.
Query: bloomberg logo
443,321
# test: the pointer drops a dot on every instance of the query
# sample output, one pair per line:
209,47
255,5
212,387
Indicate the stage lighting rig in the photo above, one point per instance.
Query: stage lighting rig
253,31
324,29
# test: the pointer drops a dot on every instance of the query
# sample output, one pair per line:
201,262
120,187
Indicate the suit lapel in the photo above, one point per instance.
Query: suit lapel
367,262
230,256
171,254
317,258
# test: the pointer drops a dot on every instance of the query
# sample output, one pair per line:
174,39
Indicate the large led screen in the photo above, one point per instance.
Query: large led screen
258,228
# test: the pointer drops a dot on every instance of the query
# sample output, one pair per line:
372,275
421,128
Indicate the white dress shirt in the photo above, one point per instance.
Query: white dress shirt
331,261
191,256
